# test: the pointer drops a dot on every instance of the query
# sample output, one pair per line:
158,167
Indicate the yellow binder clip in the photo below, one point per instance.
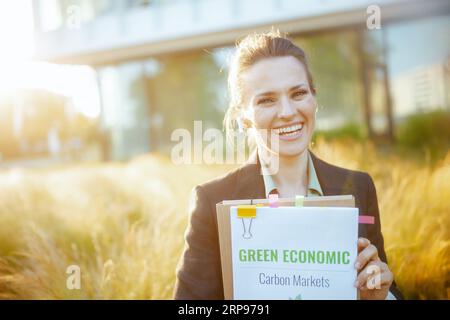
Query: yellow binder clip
246,211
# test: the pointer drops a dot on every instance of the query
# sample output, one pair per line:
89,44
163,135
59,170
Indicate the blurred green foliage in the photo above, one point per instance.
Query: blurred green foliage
351,130
424,135
425,132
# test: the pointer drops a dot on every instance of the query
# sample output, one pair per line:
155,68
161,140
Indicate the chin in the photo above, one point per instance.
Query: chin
292,151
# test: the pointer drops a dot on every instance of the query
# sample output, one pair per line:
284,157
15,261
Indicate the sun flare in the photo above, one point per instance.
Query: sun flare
18,70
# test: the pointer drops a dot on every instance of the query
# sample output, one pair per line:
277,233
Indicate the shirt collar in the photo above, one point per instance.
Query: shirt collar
314,188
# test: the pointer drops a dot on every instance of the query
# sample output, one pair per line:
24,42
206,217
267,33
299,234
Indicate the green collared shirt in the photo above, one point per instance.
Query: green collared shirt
314,188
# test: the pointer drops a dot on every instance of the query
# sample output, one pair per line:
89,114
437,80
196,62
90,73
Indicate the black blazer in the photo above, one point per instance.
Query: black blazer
199,272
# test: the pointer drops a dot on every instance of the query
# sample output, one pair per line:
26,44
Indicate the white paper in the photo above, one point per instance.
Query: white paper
295,253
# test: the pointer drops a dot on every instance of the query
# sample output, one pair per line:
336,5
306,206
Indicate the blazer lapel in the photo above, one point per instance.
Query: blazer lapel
330,182
338,184
250,183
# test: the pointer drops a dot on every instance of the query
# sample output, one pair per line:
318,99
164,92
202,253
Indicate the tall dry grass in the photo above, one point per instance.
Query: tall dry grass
121,225
414,201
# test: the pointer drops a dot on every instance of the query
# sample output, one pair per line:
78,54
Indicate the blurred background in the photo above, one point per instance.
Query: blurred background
90,92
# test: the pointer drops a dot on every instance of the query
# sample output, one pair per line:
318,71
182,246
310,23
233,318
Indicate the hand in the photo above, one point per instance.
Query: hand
374,277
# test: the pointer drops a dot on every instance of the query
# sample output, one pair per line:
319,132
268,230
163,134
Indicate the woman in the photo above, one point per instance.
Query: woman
272,90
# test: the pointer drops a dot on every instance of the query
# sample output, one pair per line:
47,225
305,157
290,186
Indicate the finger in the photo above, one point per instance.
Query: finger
377,273
362,244
384,281
366,255
373,269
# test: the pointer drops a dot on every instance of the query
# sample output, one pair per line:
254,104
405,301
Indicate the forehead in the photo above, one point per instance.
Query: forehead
273,74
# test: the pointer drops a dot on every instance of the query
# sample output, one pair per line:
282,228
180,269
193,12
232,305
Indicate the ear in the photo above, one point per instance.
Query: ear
245,119
243,124
247,123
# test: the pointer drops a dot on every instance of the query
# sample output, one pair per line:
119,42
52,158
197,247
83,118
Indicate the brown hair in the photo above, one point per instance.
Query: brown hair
250,50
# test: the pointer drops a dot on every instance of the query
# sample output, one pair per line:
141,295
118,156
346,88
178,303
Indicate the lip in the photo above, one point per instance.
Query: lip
290,125
291,137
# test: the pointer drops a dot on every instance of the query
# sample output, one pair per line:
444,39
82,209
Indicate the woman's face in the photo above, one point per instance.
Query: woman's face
278,97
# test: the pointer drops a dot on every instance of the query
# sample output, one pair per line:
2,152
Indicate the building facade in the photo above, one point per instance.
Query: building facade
162,64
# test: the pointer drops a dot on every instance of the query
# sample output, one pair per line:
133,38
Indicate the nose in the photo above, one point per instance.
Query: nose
286,109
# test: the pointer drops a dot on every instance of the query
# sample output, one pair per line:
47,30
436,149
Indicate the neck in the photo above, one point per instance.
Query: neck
293,168
292,177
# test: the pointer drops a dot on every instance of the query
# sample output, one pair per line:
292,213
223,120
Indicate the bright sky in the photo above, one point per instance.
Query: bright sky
18,70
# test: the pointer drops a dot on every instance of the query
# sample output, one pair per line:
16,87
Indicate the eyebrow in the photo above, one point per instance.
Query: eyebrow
269,93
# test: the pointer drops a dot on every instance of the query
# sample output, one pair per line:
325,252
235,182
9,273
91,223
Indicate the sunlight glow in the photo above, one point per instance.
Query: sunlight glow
18,71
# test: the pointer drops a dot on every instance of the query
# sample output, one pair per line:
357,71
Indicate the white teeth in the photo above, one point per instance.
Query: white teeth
287,130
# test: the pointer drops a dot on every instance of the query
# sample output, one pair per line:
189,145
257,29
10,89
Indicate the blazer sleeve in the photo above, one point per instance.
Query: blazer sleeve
199,273
374,232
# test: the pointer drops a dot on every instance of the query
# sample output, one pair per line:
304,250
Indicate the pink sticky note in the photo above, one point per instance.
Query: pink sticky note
273,200
366,219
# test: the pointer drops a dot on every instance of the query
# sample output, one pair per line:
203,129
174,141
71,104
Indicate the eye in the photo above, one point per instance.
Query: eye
265,101
299,93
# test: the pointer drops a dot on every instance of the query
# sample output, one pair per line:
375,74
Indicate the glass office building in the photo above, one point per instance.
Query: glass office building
161,65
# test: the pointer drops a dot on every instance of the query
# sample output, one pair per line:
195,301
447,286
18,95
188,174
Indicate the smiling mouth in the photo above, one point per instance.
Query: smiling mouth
289,130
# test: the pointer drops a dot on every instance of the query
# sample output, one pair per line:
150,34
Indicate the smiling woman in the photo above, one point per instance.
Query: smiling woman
272,93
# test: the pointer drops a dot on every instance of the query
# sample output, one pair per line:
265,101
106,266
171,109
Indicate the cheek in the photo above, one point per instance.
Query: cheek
263,117
308,108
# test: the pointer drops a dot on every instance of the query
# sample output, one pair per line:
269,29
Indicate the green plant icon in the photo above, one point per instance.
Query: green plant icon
298,297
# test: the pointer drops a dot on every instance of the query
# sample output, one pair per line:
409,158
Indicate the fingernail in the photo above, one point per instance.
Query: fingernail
357,265
356,284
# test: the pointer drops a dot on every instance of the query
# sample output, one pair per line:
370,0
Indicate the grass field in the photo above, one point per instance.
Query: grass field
119,223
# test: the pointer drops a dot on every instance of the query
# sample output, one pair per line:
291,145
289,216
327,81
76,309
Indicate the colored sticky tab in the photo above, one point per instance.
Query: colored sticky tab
366,219
246,211
299,201
273,200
